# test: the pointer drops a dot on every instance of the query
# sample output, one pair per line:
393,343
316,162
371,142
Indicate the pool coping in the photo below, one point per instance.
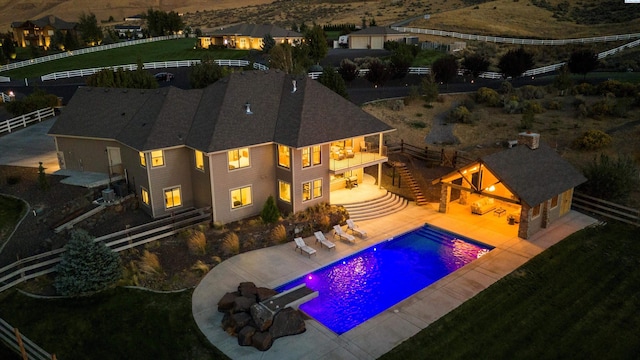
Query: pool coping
277,265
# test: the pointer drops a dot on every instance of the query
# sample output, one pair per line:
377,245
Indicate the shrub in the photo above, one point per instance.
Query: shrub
279,234
512,105
610,179
554,105
86,266
460,114
585,89
197,242
619,89
601,108
532,106
149,264
13,179
506,87
417,124
531,92
200,267
488,96
270,213
526,123
592,140
414,95
231,244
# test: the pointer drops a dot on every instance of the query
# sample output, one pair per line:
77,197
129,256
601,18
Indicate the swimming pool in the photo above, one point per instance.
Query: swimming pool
357,288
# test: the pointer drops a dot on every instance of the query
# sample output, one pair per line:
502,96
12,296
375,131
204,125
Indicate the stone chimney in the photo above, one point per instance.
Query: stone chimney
532,140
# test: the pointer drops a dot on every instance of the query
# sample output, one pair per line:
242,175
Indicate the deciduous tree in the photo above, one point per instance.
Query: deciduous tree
206,73
89,30
317,42
445,69
515,62
583,61
137,79
475,64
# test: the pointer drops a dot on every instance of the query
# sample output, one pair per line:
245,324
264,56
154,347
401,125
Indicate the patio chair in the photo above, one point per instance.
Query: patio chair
355,229
300,244
323,240
349,152
337,231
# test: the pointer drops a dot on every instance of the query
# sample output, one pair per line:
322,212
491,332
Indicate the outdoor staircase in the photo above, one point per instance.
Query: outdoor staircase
371,209
407,178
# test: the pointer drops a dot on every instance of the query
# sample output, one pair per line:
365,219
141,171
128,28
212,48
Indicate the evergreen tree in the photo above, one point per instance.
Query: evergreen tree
270,213
90,32
70,41
206,73
562,82
86,266
8,48
268,42
429,88
317,42
331,79
281,57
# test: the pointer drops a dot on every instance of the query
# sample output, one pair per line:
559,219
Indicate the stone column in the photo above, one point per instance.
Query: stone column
525,217
445,197
464,197
545,214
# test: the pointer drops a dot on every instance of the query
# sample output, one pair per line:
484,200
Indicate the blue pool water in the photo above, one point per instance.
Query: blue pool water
357,288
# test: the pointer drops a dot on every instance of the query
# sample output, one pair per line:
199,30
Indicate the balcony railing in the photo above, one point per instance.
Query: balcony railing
358,160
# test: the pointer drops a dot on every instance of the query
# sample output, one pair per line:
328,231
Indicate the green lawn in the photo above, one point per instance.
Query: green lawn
179,49
578,300
11,210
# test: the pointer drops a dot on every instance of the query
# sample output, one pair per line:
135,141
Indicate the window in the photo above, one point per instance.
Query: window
241,197
311,189
311,156
284,191
535,211
144,195
143,159
554,201
157,158
238,158
284,156
199,160
172,198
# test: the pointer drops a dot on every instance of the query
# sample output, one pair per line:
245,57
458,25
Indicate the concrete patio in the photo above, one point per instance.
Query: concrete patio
274,266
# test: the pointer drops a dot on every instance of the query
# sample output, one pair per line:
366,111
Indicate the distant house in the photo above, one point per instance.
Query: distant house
247,36
40,32
129,31
374,37
229,146
530,182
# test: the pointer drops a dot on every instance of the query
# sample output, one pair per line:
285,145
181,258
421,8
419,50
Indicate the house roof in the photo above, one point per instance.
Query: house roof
215,118
257,31
376,30
51,20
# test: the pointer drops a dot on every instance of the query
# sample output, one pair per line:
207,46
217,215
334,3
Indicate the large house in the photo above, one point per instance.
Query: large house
40,32
530,183
229,146
248,36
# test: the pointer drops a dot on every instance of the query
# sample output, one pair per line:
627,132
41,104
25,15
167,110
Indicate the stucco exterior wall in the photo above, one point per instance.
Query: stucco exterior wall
85,154
176,172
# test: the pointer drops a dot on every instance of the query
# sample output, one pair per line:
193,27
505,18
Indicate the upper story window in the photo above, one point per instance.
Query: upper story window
284,156
199,160
311,156
238,158
143,159
157,158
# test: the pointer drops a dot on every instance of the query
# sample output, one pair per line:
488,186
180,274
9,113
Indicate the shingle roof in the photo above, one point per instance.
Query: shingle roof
376,30
533,175
257,31
215,118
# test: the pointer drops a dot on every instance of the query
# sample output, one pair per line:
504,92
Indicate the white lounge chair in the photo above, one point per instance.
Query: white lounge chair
323,240
337,231
355,229
300,244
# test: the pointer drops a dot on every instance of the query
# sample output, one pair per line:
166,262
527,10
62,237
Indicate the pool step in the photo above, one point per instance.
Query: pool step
385,205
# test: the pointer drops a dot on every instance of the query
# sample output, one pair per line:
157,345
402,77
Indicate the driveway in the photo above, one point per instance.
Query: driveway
28,146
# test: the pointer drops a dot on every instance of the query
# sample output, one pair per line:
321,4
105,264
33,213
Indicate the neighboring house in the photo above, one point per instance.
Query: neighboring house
40,32
228,146
530,180
374,37
129,31
248,36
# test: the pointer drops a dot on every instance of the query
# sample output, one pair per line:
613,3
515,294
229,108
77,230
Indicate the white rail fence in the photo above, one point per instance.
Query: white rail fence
518,41
5,79
5,97
85,51
10,336
26,119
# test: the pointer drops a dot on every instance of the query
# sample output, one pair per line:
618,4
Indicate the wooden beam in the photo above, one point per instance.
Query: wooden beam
462,188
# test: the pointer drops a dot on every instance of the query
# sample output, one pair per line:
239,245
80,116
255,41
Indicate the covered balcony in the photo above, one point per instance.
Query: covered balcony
345,157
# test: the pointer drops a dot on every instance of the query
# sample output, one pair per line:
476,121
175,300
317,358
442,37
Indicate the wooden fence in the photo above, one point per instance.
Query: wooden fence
606,208
441,157
20,344
26,119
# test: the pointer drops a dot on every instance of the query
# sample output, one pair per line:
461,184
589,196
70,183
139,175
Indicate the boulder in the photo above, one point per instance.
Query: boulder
242,304
245,335
226,303
262,340
247,289
262,316
239,321
263,293
287,322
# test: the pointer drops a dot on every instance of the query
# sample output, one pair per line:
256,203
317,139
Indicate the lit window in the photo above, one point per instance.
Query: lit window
284,156
311,156
199,160
317,188
172,198
306,157
317,155
144,194
143,159
554,201
238,158
157,158
311,189
306,191
284,191
241,197
536,211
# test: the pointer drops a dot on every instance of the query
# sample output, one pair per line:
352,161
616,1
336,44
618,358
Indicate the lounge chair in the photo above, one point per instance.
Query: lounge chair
323,240
355,229
300,244
337,231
